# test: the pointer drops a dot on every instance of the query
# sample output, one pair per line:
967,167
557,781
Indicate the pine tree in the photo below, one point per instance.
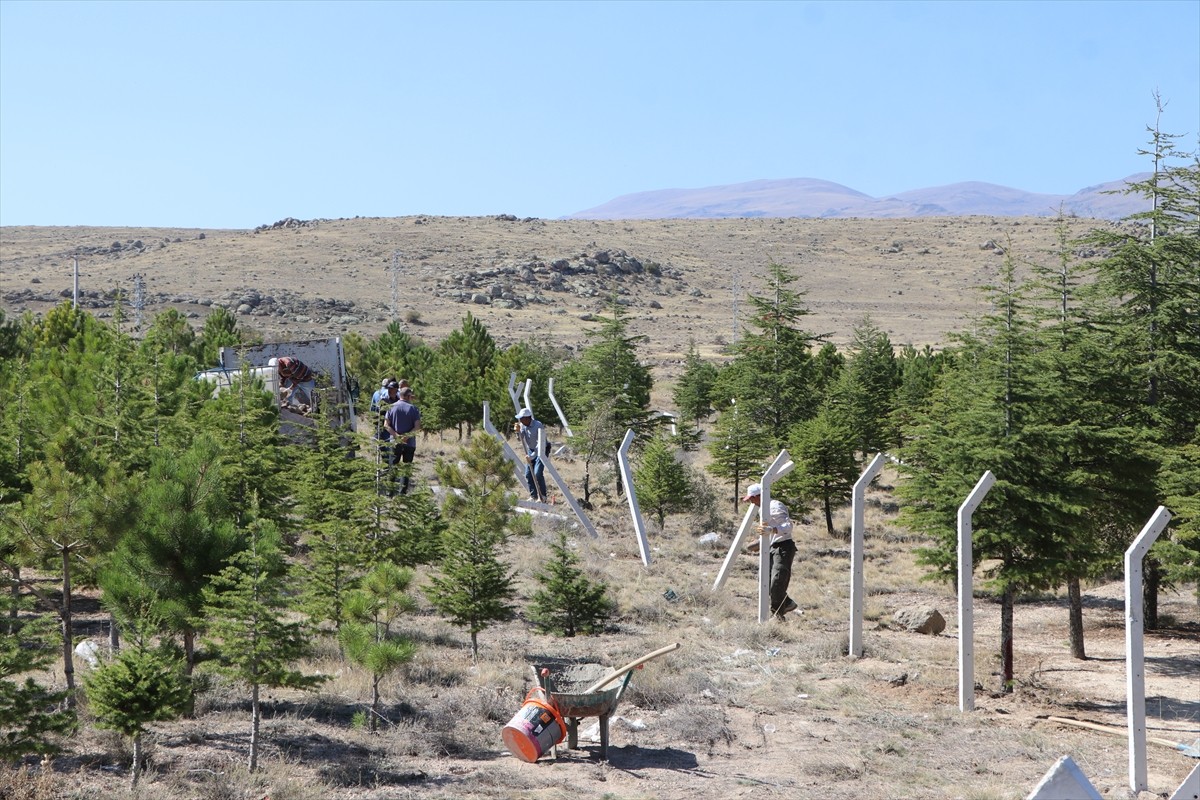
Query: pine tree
472,586
143,684
693,393
368,637
867,388
661,480
183,537
984,416
462,377
771,375
568,602
246,614
31,716
739,449
823,450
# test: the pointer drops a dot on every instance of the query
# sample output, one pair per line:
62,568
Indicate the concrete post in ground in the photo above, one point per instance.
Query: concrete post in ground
856,555
966,586
1135,647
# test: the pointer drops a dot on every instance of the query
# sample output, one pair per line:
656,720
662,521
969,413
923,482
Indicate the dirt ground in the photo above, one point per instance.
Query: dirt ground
740,710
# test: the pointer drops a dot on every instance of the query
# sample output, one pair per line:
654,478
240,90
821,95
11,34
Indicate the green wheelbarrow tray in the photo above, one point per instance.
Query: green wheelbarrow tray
565,685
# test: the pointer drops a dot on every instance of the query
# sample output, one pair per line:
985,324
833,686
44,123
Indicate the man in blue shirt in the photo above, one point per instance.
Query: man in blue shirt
401,422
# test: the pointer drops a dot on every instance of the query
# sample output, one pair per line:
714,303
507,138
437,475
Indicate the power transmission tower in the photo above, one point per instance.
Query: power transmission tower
737,293
394,269
139,300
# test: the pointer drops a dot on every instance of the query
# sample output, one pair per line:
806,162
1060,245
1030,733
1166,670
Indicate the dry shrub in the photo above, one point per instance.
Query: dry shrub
30,783
660,689
699,724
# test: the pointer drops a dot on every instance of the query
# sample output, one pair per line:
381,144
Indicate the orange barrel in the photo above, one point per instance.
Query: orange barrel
535,729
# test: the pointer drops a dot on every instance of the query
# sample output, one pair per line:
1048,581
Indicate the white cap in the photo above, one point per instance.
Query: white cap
753,490
524,412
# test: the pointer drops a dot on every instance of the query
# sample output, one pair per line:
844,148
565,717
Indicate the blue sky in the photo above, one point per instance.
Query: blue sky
231,115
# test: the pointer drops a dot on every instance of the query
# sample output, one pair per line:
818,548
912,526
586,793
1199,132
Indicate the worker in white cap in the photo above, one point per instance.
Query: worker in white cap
528,429
778,525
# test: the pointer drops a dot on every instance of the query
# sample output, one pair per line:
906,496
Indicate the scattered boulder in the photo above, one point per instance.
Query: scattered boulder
920,619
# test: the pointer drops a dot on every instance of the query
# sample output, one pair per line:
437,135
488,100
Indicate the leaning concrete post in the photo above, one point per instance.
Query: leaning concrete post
509,453
562,486
558,410
856,555
528,384
639,525
1135,648
966,586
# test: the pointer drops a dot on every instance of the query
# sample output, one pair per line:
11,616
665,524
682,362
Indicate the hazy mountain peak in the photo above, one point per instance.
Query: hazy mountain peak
813,197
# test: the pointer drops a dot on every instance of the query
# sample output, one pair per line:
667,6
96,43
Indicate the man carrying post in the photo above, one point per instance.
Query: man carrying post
527,429
777,523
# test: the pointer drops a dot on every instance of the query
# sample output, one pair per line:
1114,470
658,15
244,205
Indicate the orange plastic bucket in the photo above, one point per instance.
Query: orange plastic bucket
535,728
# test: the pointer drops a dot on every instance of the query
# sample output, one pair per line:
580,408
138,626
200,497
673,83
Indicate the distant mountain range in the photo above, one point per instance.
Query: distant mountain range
813,198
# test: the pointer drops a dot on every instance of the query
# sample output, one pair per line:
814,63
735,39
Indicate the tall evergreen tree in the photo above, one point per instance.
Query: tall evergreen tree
867,389
771,375
462,377
184,536
693,393
823,450
984,416
739,448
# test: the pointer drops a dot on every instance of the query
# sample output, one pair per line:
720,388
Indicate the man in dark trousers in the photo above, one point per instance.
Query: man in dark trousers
402,421
535,471
777,523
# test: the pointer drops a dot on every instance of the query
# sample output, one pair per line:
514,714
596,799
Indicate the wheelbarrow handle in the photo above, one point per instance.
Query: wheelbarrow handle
617,673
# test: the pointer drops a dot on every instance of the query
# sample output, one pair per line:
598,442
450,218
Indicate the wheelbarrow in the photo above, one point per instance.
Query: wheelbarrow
589,690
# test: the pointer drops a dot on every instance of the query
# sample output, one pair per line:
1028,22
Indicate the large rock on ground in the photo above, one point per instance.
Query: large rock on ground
920,619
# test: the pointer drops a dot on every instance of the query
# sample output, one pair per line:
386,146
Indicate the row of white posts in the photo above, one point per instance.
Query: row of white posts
782,465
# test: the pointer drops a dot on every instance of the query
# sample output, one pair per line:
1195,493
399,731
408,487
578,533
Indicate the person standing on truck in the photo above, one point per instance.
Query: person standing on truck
402,421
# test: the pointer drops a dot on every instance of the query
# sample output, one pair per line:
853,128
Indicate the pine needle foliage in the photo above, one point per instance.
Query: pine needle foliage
569,603
143,684
473,588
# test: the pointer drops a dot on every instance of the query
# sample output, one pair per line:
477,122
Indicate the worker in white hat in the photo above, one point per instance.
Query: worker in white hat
778,525
528,429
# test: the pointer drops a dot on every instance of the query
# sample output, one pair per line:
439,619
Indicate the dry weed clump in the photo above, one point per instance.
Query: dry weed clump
30,783
706,725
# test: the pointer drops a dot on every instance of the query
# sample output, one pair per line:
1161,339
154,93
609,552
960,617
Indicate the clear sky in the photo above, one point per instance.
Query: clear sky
235,114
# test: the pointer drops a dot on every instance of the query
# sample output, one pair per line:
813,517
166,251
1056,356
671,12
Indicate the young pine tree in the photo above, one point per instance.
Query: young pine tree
472,586
662,481
246,609
31,715
367,637
143,684
568,602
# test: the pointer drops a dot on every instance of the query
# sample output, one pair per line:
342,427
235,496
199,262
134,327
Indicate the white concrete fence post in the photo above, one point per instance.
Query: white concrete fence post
639,525
1135,647
857,548
966,587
